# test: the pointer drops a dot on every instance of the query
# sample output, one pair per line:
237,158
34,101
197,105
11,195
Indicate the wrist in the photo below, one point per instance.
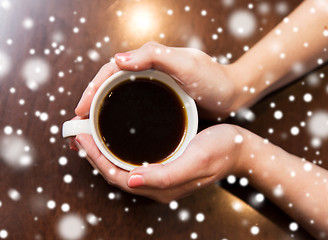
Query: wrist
257,155
247,79
252,148
243,146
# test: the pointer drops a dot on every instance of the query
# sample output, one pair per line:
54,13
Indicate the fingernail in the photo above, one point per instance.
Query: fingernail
72,144
136,181
123,57
72,147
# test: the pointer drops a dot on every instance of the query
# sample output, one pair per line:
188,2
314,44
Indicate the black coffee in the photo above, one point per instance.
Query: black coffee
142,120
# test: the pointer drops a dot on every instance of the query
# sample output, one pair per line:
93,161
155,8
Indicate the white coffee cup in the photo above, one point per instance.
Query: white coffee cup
90,126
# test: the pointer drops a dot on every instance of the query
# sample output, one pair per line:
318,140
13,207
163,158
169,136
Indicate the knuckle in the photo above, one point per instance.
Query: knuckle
194,61
196,53
154,49
165,180
204,158
232,130
199,57
151,45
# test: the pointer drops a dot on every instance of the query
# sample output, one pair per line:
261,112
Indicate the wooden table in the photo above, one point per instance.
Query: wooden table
50,50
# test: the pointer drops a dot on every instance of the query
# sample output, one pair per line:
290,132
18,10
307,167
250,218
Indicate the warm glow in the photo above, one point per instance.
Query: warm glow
142,20
138,22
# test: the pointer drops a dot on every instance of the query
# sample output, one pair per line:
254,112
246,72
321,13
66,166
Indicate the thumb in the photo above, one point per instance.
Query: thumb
173,61
184,169
212,153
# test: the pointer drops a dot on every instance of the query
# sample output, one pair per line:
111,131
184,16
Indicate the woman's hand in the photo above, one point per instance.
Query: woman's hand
211,155
83,107
212,85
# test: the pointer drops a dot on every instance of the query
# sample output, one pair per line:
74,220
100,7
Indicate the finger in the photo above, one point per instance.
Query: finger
175,193
186,189
82,152
79,149
83,107
73,144
173,61
118,177
191,165
111,173
108,170
208,154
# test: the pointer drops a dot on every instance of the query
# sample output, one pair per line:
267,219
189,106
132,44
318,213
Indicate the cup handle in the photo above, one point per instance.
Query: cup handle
75,127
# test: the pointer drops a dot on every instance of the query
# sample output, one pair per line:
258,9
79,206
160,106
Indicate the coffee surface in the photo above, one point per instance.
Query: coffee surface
142,120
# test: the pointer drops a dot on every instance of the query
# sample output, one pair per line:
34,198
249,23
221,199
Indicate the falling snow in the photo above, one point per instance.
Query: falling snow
195,42
307,97
238,139
111,196
231,179
36,72
174,205
278,191
68,178
278,114
184,215
15,150
317,124
259,197
39,189
237,206
200,217
255,230
3,233
242,23
293,226
14,194
228,3
307,167
294,130
282,8
28,23
93,55
246,114
243,182
82,153
51,204
65,207
92,219
54,129
263,8
149,231
193,235
71,227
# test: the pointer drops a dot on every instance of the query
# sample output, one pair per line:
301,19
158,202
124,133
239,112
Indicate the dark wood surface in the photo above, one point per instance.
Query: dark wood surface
24,123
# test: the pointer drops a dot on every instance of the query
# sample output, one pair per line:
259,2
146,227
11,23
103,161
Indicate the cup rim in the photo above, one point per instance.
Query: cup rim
115,79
